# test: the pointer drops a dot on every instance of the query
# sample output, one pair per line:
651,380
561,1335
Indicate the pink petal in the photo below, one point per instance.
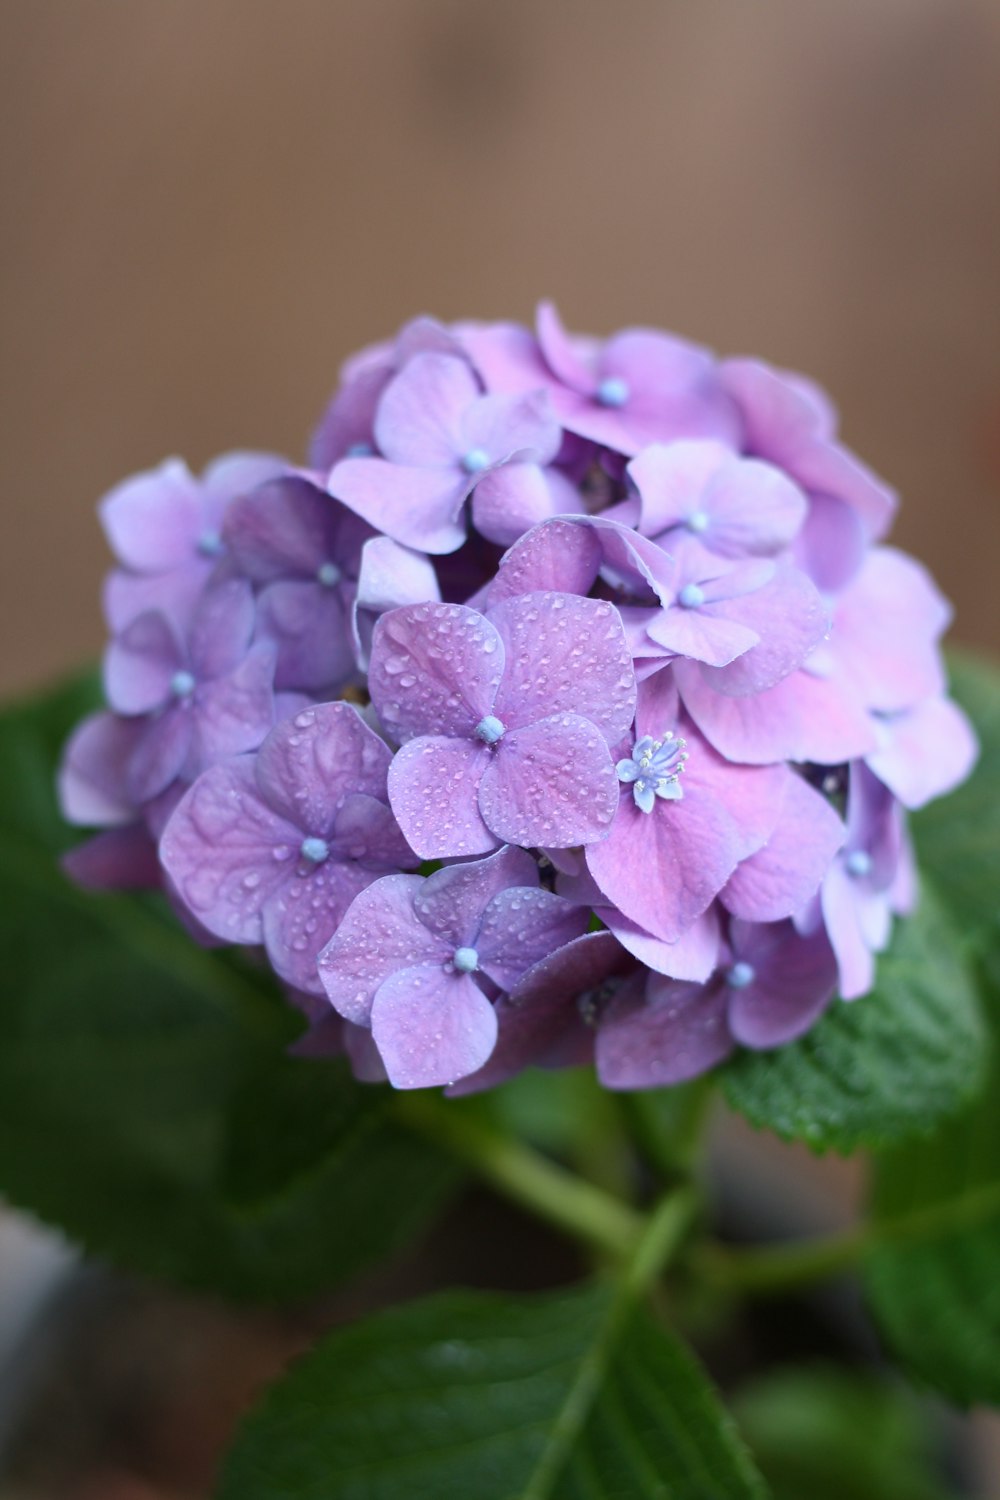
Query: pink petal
564,655
419,416
308,765
523,926
832,543
803,717
710,634
389,575
671,479
561,353
550,784
300,918
432,1027
434,786
556,555
502,426
678,1032
421,508
219,850
663,869
693,956
845,926
378,935
783,875
885,631
754,509
924,753
435,669
789,618
510,500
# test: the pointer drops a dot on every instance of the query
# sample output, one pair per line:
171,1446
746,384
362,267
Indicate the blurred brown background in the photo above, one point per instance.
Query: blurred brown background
208,203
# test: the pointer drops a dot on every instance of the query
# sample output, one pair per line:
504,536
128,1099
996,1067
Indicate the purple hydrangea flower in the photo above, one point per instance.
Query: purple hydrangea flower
202,697
505,720
165,529
421,960
440,440
773,986
273,848
640,387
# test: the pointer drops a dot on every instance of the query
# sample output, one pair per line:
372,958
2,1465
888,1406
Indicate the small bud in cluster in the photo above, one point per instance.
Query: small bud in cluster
608,631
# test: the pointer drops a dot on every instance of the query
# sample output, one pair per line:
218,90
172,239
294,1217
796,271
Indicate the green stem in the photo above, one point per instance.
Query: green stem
781,1268
668,1127
530,1179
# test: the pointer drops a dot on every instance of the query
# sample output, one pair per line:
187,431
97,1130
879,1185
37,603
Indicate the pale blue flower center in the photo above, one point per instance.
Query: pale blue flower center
475,460
691,596
182,684
697,521
490,730
360,450
328,574
613,391
314,850
740,975
655,769
210,544
859,863
466,960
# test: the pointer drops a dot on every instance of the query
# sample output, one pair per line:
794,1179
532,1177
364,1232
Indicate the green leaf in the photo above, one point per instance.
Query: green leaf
828,1434
934,1285
958,836
559,1397
882,1068
147,1104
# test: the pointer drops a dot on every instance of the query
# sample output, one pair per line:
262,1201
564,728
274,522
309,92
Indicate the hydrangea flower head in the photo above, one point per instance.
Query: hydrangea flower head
607,629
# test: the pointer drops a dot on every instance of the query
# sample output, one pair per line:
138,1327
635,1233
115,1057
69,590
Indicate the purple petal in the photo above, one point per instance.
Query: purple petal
389,576
419,418
422,508
803,718
174,594
92,783
832,543
221,629
237,473
790,619
550,784
678,1032
234,713
139,665
309,625
885,629
163,752
308,765
561,353
300,918
783,875
378,935
432,1027
435,669
795,978
120,859
671,479
845,921
350,417
451,902
542,1019
754,510
523,926
506,425
564,655
366,830
556,555
510,500
708,634
692,957
227,852
664,868
434,791
284,529
153,520
924,753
